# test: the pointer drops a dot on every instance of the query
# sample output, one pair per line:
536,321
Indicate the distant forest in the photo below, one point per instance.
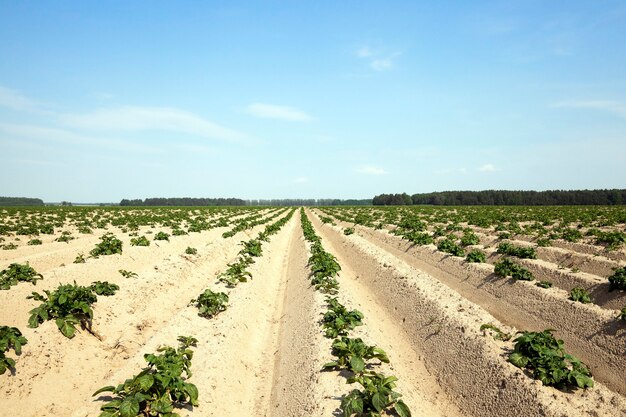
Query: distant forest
309,202
505,198
185,201
20,201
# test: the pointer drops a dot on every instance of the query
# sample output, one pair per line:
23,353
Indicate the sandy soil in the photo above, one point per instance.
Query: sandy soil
263,355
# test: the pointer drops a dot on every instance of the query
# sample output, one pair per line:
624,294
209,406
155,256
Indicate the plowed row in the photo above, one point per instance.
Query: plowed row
263,355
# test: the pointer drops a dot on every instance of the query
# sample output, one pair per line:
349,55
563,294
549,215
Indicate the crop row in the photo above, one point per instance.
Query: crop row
377,395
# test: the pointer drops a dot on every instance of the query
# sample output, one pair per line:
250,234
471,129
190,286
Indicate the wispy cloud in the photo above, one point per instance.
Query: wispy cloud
378,60
45,134
610,106
271,111
132,118
370,170
487,168
14,100
300,180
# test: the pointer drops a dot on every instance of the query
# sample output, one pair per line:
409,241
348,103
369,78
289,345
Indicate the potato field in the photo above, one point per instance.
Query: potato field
327,311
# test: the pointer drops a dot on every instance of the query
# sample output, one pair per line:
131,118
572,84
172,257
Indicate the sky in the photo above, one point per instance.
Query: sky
101,101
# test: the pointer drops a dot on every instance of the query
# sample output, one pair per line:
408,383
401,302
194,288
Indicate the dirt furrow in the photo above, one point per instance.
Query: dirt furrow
443,329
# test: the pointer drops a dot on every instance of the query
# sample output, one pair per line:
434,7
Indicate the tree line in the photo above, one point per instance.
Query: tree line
309,202
184,201
20,201
505,198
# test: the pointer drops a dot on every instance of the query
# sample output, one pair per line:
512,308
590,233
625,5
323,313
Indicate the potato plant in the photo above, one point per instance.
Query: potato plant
69,305
580,294
139,241
448,245
191,251
16,273
617,281
517,251
109,245
338,320
162,236
158,387
376,397
352,354
544,356
127,274
476,256
210,303
10,338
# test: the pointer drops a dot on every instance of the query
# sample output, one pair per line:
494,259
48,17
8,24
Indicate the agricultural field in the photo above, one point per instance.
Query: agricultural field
327,311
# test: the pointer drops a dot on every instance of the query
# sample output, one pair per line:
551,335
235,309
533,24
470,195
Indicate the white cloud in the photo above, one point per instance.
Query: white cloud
378,61
14,100
364,52
131,118
65,136
300,180
487,168
381,64
371,170
270,111
602,105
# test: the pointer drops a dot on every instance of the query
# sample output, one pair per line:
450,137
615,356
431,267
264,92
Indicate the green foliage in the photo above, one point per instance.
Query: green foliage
505,267
545,357
469,238
348,231
476,256
571,235
448,245
191,251
376,397
65,237
622,314
613,239
544,242
419,238
337,321
497,333
69,305
34,242
18,273
326,220
210,303
10,338
139,241
9,246
162,236
352,353
80,259
617,281
580,294
324,268
127,274
544,284
109,245
158,387
104,288
235,273
251,248
518,251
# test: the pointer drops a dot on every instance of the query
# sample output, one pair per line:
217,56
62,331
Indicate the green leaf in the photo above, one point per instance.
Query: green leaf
330,365
129,408
379,401
67,328
357,364
192,391
109,388
402,409
145,382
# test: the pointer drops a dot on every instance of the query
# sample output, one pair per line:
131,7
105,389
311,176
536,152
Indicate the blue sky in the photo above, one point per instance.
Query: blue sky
101,101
